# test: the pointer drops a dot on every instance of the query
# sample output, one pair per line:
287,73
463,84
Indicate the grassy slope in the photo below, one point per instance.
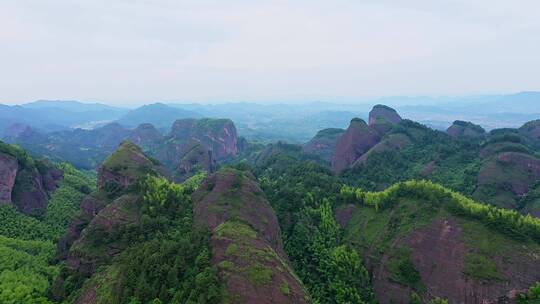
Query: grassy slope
376,232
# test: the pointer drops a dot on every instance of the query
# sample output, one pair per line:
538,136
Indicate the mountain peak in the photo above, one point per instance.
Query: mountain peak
125,167
383,113
465,129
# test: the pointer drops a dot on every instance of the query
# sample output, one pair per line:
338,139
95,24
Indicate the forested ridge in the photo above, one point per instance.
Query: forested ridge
369,234
505,221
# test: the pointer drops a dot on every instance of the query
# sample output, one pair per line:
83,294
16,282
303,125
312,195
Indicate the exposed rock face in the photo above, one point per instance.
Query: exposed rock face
30,195
361,137
356,141
344,214
390,143
196,159
438,253
84,247
146,136
383,113
90,206
246,239
124,167
216,135
465,129
324,143
223,189
8,173
83,256
51,178
89,148
24,182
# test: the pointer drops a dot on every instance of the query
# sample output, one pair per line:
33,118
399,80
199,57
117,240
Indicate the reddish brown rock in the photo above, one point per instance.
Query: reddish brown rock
438,254
344,214
393,142
51,179
33,187
85,255
216,135
246,240
196,159
230,194
8,172
324,143
382,113
356,141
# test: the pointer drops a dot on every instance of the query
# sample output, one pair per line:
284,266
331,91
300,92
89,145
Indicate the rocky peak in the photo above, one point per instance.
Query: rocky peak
197,158
124,167
216,135
357,140
25,182
465,129
145,135
246,202
382,113
8,173
324,143
242,223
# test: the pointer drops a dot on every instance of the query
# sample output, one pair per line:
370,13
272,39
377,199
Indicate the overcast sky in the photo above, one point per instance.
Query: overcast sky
134,51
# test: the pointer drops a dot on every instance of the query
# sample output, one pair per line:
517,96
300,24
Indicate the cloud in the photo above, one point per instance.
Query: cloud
138,51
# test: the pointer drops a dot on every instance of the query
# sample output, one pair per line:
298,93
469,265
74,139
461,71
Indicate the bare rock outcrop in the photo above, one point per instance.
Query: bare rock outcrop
8,172
246,240
24,182
360,137
216,135
324,143
439,254
197,158
382,113
356,141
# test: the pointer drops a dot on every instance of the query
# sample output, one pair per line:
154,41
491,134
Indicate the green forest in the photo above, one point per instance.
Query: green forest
28,244
141,244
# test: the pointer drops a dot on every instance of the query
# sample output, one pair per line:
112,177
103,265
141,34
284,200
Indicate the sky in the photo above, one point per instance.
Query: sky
139,51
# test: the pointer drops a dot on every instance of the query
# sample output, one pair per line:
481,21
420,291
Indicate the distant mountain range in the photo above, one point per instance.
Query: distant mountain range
294,123
158,114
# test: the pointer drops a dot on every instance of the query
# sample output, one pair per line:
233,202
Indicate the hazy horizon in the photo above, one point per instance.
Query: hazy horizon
133,52
403,100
